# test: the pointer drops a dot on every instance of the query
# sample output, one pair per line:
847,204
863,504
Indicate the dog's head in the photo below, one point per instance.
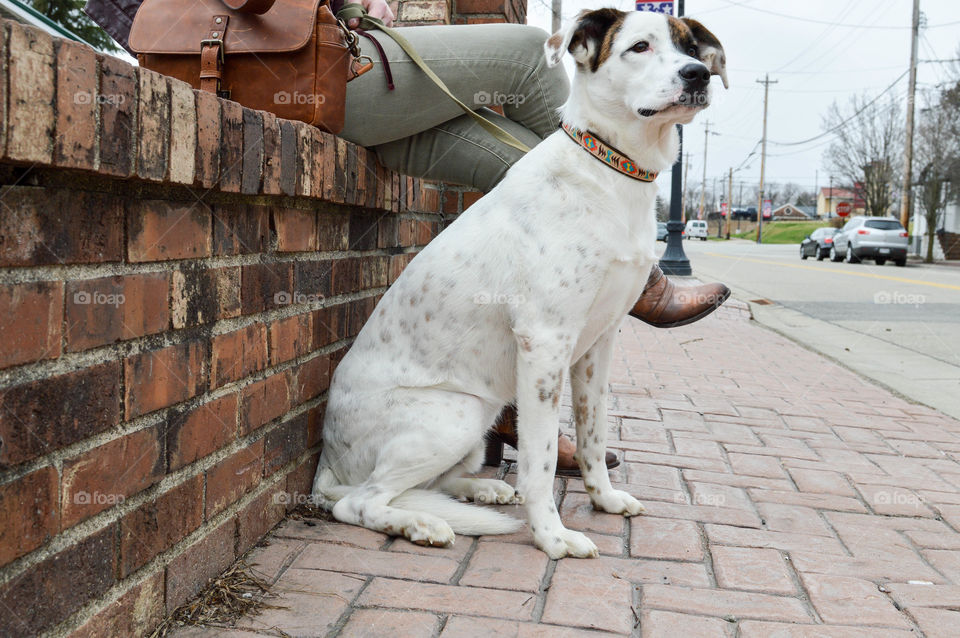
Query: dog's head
646,65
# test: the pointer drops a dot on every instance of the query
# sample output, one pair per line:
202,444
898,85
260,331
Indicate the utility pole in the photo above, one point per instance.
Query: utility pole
556,16
674,260
911,94
766,82
703,187
729,199
830,199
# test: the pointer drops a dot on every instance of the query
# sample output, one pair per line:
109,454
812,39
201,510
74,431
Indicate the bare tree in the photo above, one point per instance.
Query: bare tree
868,148
937,156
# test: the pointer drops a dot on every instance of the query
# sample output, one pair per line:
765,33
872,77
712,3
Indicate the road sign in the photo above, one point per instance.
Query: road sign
656,7
843,209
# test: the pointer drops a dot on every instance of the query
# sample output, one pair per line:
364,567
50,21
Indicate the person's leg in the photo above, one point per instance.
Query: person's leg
483,65
416,130
458,151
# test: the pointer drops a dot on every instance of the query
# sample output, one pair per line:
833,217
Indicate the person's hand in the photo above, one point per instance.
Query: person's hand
376,9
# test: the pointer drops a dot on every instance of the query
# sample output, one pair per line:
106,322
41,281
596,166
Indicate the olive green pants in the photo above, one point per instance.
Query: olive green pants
417,130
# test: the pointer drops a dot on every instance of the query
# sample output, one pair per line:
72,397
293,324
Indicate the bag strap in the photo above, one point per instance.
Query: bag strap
352,10
249,6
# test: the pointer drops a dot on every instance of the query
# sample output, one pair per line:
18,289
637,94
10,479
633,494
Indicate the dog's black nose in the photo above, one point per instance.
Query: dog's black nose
695,76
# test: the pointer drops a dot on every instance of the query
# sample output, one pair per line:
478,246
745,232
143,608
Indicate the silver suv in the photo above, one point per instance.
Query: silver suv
876,238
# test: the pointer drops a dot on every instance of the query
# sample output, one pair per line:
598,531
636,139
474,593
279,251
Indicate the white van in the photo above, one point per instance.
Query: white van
696,228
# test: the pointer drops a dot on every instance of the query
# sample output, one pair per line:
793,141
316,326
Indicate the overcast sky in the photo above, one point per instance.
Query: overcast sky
819,51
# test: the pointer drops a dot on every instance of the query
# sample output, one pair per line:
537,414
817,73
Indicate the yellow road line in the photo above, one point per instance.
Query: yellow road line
932,284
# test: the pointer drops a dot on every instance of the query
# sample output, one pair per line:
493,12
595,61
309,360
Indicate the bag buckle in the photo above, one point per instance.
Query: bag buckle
217,42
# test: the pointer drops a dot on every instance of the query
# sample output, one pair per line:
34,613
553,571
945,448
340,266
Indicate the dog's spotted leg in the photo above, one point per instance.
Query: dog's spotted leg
541,360
588,381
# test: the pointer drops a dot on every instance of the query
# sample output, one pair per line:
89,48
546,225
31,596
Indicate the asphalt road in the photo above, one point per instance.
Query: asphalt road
899,326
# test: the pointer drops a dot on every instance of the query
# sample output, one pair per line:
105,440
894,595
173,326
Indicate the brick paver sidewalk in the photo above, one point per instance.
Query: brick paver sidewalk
785,497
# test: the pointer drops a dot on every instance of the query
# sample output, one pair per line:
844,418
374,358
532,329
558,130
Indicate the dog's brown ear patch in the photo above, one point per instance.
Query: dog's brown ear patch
710,51
594,33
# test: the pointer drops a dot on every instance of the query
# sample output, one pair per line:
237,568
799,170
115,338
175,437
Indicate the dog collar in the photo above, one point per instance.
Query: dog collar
608,154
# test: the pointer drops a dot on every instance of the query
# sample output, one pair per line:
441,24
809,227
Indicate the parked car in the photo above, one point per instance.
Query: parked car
662,231
876,238
696,229
745,213
818,243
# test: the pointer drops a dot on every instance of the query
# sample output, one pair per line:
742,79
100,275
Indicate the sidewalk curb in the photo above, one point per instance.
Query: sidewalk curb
937,391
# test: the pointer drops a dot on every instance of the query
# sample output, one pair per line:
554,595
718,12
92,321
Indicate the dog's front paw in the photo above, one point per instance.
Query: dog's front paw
494,492
430,531
566,542
617,502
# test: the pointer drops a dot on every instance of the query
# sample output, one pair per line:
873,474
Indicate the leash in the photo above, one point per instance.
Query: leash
608,154
354,10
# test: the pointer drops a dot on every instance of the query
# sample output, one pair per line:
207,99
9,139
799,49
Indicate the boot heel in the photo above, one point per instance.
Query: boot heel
494,453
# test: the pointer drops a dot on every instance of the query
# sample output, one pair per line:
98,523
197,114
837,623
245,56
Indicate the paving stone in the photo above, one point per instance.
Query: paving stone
713,602
751,568
402,594
936,623
665,539
761,629
467,627
328,556
851,601
506,566
667,624
376,623
592,601
726,535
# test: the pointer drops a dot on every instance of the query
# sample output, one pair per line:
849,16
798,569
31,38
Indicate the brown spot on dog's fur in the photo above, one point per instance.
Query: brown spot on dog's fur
589,372
680,34
606,46
598,27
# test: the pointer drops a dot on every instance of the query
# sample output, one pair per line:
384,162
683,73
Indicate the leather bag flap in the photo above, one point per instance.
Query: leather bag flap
178,26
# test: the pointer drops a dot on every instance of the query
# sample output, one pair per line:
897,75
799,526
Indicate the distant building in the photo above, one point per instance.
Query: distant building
794,213
828,199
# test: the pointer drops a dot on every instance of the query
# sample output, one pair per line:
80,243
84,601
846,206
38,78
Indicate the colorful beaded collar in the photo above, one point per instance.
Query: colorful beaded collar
608,154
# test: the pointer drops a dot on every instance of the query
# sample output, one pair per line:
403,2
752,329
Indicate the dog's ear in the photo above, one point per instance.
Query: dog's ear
587,39
710,50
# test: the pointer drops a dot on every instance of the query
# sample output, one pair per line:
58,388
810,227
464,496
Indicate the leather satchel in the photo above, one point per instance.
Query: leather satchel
292,58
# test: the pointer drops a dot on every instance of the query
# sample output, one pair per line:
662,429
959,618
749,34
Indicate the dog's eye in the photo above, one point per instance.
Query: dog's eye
692,51
640,46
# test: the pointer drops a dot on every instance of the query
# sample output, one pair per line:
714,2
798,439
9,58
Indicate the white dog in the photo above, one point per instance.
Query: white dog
532,281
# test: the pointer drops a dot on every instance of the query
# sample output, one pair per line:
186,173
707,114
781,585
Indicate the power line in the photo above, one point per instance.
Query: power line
846,121
852,26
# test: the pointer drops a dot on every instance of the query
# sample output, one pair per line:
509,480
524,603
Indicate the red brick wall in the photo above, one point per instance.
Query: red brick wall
179,276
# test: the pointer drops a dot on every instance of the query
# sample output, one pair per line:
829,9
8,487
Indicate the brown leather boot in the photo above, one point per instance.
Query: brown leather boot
666,305
505,431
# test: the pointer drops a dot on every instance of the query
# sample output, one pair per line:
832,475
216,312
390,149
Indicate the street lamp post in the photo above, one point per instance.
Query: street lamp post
674,260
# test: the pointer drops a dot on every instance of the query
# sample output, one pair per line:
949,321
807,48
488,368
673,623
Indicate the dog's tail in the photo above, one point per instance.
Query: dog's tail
464,518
